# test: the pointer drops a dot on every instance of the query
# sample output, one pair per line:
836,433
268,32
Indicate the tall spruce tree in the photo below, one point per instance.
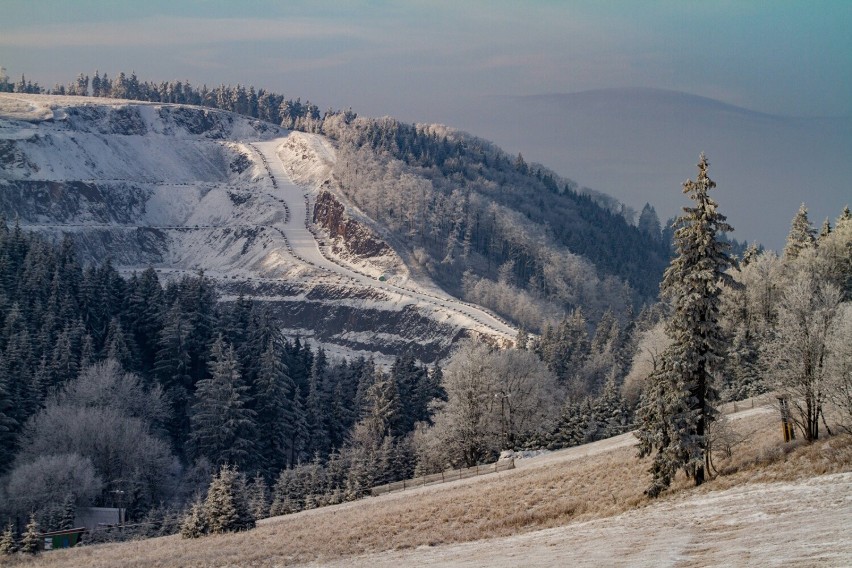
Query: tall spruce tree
32,537
8,424
172,368
678,403
223,424
273,392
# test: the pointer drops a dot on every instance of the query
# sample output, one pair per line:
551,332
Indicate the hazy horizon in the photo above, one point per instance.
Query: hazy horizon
438,61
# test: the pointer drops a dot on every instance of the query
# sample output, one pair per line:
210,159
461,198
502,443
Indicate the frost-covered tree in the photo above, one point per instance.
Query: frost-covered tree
495,400
802,234
194,524
104,418
840,366
679,400
834,254
798,349
525,396
258,497
31,538
464,421
8,542
647,359
226,508
46,481
223,425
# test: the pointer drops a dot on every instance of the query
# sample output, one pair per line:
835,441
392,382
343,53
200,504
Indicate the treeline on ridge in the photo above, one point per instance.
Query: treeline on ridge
460,205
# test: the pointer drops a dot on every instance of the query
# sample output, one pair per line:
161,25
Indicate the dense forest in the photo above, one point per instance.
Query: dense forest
487,226
118,389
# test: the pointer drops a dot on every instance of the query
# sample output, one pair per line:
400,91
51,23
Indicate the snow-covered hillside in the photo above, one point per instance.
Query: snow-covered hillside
187,188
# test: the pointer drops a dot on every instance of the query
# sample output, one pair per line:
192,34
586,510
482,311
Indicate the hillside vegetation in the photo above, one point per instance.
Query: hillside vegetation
115,384
600,480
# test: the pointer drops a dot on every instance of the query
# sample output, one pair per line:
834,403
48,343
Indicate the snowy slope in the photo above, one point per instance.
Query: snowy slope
801,523
186,188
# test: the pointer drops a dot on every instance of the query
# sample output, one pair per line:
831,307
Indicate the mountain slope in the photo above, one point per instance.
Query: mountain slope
639,145
353,237
185,189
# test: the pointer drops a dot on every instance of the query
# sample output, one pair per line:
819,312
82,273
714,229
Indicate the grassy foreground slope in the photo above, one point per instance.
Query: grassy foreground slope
593,489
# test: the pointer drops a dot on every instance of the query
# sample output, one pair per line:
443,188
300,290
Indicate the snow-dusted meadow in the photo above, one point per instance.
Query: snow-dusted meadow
802,523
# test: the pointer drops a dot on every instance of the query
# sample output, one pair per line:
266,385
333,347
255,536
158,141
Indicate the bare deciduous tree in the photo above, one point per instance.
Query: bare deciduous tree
795,355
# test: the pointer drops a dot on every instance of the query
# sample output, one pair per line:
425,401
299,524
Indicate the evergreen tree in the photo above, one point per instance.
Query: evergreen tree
316,406
8,542
361,475
69,512
385,409
31,540
145,314
197,297
288,494
235,324
649,223
743,374
258,497
8,424
571,427
194,524
226,508
273,392
825,230
566,347
413,399
64,365
802,235
18,362
223,424
173,371
299,433
679,401
96,84
118,346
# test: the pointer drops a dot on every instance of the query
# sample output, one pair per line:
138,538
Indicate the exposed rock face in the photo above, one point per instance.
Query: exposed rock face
355,319
183,189
355,238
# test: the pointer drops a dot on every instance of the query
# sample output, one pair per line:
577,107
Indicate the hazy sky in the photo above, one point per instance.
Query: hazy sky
410,58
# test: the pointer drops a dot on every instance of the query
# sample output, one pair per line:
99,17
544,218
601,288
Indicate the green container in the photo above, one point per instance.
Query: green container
62,539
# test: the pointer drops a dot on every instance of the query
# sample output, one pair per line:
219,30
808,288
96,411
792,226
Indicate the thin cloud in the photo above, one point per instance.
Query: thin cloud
161,31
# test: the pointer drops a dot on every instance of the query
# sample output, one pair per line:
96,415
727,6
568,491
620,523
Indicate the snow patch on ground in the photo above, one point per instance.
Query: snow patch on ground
803,523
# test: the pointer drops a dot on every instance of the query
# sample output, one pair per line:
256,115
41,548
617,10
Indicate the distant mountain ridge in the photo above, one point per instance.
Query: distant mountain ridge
639,145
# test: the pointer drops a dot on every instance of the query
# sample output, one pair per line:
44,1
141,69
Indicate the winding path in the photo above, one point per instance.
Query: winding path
303,245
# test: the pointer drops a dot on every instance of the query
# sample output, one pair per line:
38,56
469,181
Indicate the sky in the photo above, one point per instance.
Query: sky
410,58
444,61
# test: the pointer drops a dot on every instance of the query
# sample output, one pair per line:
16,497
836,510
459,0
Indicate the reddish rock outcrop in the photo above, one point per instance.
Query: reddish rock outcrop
357,239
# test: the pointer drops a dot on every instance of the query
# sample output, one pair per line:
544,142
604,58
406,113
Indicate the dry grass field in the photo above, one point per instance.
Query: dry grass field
574,486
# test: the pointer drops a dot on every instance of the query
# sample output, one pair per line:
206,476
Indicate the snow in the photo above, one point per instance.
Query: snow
279,155
802,523
150,178
795,523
